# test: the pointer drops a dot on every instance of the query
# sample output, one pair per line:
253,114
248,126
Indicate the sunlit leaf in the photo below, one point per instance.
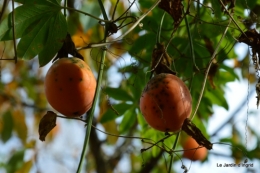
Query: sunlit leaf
111,127
26,167
216,96
92,8
110,114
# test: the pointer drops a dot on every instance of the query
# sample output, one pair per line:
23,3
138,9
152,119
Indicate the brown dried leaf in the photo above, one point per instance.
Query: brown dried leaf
161,61
212,73
250,37
174,8
196,134
47,123
67,48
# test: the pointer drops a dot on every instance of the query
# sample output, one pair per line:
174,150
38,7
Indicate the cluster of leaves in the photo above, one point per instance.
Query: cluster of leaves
20,93
194,34
41,29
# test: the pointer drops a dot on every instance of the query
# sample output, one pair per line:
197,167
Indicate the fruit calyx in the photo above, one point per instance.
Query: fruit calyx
161,61
67,48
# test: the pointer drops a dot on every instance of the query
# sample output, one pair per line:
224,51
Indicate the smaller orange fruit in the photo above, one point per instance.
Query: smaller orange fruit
70,86
195,154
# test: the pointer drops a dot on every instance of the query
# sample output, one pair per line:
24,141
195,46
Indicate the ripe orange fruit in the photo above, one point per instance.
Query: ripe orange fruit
70,86
196,154
166,102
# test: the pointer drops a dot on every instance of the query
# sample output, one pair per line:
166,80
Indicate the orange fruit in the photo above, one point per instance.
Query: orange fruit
70,86
166,102
196,154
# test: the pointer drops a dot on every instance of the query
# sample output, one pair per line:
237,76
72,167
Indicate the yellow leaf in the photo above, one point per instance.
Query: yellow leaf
80,38
26,167
30,144
20,125
111,127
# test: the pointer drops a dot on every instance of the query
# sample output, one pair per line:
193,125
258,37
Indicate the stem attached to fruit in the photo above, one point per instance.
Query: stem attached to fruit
195,132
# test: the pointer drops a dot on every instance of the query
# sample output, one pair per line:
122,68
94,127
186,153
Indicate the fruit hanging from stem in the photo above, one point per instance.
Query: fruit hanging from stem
166,102
70,86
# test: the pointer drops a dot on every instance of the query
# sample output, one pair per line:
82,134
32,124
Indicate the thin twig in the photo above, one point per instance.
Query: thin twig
107,133
3,9
158,36
119,18
207,71
87,14
14,40
137,22
191,43
173,148
113,14
231,17
65,11
123,35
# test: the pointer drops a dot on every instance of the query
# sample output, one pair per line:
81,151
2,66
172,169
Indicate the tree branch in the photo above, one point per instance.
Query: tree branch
95,148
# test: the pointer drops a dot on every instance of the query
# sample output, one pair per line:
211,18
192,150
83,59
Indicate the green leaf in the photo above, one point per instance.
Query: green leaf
41,27
7,126
92,8
118,94
57,2
110,114
230,73
141,44
217,97
56,33
33,43
141,121
15,162
25,16
154,136
128,120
